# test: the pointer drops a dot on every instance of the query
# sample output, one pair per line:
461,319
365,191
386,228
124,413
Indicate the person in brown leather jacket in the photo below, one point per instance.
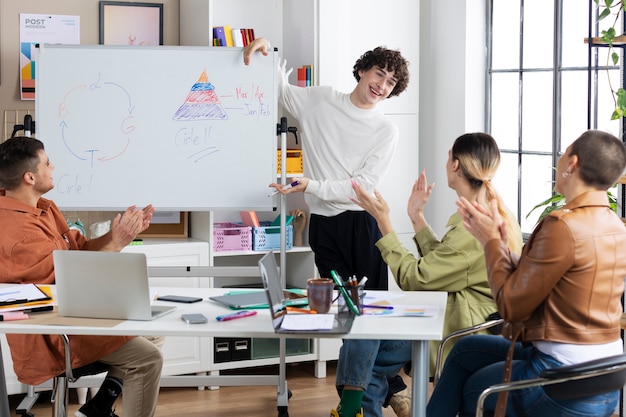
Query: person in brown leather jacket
561,297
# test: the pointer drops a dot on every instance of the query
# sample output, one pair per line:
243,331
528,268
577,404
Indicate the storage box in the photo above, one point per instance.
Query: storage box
294,162
267,237
269,348
231,236
222,349
227,349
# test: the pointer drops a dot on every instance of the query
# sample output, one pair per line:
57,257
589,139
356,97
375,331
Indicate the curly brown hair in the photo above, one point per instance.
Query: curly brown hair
388,59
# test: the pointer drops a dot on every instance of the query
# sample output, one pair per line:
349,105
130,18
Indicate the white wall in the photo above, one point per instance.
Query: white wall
451,91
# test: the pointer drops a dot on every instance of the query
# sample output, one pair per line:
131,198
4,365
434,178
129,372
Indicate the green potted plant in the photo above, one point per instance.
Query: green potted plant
557,201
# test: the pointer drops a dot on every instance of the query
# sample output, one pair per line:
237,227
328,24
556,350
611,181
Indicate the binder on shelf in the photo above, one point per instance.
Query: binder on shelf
309,75
228,33
248,35
237,37
301,77
219,36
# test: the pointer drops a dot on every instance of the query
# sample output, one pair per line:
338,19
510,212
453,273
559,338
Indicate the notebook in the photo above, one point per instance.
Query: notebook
104,285
257,299
339,323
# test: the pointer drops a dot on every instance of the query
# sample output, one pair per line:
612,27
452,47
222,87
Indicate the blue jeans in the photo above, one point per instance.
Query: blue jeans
367,364
476,362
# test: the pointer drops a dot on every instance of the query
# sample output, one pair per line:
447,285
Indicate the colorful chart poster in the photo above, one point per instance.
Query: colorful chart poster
42,28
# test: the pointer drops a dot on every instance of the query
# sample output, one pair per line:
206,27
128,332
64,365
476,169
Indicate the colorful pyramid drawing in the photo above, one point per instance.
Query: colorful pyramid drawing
201,103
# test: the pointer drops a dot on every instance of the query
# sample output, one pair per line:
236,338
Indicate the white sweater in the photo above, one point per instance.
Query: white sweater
340,142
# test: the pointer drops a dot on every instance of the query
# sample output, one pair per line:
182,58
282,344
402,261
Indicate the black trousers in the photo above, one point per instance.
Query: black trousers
346,243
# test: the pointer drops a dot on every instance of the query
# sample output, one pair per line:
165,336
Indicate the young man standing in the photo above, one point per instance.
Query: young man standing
345,139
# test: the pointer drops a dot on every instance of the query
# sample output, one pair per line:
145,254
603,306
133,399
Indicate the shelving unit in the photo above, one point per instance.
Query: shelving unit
299,29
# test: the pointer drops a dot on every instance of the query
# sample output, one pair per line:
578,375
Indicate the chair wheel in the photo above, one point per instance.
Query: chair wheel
282,411
289,394
28,415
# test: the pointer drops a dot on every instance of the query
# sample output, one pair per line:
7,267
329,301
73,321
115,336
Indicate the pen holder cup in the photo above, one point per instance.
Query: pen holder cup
352,291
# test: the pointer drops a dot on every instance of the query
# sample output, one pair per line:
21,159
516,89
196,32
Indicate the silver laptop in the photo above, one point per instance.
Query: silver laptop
104,285
342,322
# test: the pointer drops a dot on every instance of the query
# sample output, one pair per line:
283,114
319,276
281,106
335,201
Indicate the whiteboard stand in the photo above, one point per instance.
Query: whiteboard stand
283,395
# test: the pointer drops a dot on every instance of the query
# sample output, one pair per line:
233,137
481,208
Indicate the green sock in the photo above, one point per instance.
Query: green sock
350,403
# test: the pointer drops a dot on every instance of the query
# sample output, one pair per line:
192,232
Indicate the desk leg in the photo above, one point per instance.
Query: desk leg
4,396
283,392
420,378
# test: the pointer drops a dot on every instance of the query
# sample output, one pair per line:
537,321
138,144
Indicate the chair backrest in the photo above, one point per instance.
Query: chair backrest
611,376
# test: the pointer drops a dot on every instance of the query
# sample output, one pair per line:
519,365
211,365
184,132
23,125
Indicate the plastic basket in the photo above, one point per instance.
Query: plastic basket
267,237
231,236
294,162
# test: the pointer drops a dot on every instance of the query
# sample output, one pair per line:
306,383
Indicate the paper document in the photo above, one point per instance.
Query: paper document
22,293
24,297
307,321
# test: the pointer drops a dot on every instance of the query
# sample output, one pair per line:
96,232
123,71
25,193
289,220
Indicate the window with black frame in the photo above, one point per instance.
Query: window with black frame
545,86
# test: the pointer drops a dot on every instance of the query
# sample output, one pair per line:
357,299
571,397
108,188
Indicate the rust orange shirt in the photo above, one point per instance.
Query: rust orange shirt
29,235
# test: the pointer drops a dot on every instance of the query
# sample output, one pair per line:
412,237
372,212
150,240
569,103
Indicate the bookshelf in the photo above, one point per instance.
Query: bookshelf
330,36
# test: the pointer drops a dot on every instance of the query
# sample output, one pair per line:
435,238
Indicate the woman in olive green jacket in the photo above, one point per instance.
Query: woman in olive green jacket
455,264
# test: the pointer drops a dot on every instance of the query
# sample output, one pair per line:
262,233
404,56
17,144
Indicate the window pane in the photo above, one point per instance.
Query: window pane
573,106
537,112
504,111
538,44
505,33
606,105
575,30
505,181
536,187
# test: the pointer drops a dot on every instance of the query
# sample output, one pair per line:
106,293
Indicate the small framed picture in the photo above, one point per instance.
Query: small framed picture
177,227
133,24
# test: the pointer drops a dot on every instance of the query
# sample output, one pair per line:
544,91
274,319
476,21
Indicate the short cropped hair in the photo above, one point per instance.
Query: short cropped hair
388,59
601,158
18,155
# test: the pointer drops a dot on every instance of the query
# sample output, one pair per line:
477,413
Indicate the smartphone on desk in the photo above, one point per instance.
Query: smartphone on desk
195,318
179,298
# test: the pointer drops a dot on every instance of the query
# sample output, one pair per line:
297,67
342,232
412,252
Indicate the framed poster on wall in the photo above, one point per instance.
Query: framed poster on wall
134,24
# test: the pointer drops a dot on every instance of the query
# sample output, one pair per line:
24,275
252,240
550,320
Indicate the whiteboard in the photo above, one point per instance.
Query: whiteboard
182,128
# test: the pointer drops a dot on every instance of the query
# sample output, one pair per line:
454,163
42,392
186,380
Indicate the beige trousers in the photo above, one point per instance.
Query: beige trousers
138,363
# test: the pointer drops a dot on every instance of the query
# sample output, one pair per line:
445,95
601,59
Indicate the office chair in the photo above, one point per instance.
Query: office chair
60,383
566,382
570,382
493,324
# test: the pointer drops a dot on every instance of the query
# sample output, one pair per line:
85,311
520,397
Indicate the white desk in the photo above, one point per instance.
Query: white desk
420,330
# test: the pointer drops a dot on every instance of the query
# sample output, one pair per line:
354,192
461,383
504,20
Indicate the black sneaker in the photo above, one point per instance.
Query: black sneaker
89,410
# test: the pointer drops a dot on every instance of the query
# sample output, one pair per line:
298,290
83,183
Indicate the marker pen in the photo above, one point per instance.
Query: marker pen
237,315
382,307
285,188
13,315
301,310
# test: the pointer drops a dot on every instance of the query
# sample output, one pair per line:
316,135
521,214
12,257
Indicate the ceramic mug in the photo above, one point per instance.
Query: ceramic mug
320,294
